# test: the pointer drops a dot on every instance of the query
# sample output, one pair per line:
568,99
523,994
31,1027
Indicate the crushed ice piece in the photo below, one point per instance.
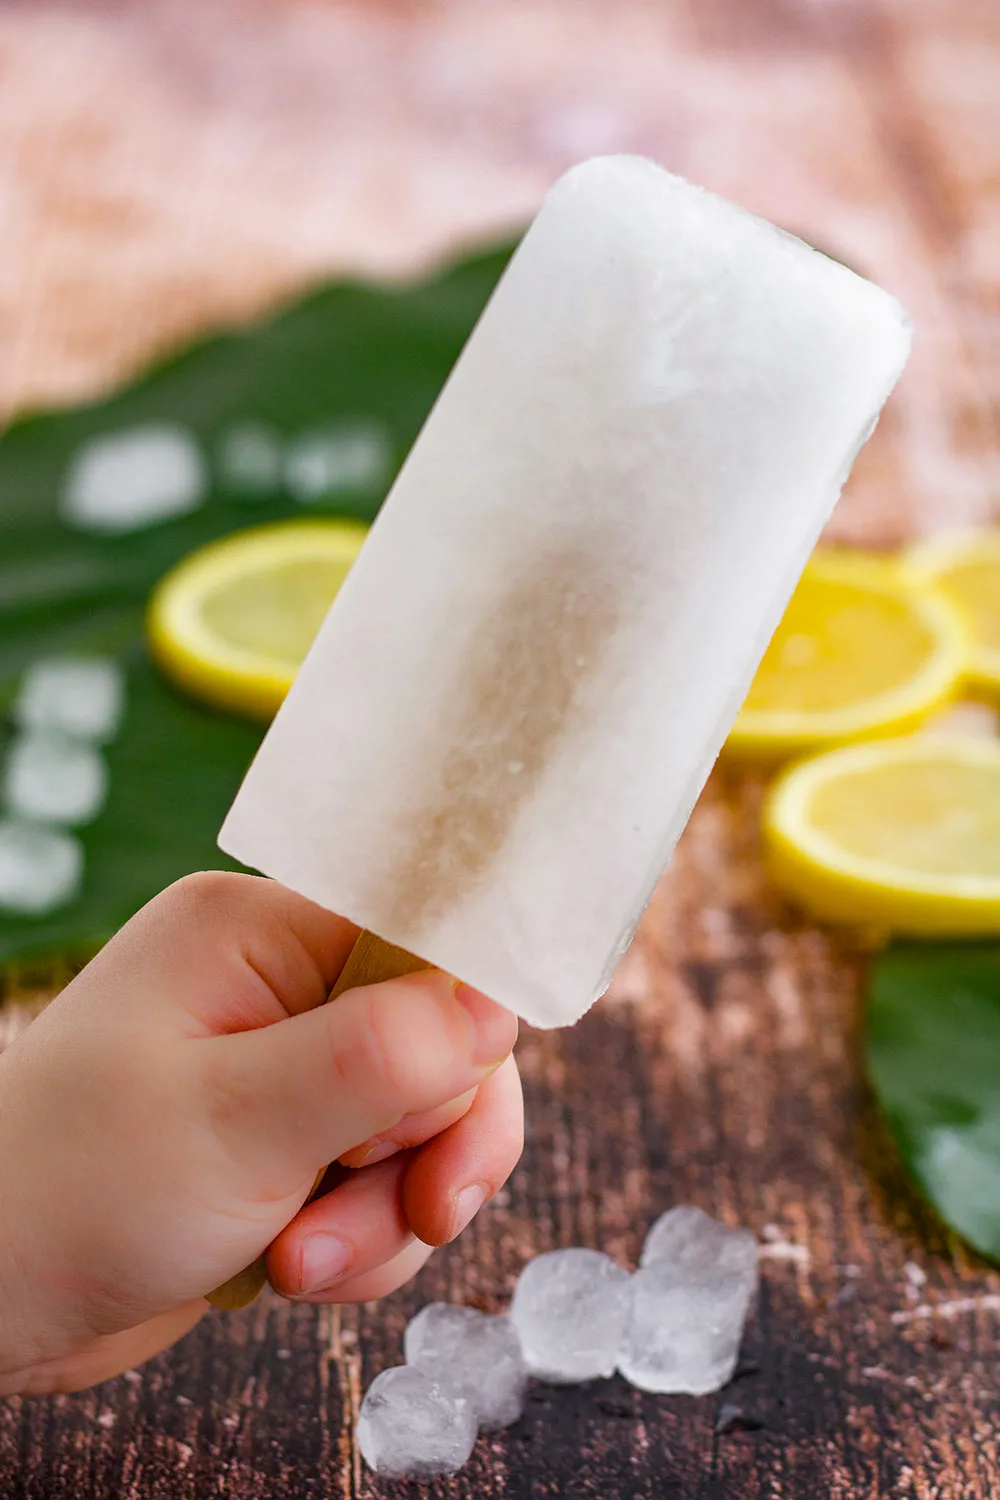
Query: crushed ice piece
569,1310
684,1329
40,868
79,696
134,478
250,459
688,1304
476,1356
50,778
688,1236
329,460
410,1426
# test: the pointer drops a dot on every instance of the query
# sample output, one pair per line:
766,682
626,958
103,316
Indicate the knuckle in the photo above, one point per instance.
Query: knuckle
376,1061
204,891
406,1046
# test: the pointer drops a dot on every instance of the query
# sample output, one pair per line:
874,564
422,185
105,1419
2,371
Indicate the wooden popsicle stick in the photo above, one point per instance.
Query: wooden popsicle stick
369,961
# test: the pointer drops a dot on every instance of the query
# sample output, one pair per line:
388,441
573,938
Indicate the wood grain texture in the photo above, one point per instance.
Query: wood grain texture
723,1068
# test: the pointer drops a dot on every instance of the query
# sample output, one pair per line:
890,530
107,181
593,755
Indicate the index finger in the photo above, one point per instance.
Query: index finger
273,953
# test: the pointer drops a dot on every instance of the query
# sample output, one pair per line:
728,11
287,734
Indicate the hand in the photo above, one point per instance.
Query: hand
164,1119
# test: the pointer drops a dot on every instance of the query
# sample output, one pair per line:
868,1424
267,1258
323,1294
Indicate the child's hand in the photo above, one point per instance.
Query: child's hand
164,1118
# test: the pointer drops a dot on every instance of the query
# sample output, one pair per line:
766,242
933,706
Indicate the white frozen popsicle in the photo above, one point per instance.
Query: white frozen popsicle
508,714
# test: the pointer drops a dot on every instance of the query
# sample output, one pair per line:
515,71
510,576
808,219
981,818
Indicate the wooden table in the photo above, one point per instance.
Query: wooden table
170,166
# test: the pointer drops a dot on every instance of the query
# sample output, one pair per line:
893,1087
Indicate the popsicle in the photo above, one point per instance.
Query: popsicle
509,712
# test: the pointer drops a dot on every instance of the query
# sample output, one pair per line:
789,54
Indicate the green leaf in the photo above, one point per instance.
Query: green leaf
345,351
934,1059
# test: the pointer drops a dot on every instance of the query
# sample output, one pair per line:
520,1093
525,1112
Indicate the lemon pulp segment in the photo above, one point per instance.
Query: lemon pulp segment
274,612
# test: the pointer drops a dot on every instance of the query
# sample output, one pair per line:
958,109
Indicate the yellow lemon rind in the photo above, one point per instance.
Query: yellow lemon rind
766,736
840,887
197,660
923,566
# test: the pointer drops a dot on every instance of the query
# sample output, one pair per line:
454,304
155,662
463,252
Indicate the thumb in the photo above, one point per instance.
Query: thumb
286,1100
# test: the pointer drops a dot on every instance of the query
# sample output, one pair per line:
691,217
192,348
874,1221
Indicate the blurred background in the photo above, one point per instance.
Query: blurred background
168,166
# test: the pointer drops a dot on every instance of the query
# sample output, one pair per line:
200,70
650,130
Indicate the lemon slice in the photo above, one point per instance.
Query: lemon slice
966,569
861,652
901,834
232,622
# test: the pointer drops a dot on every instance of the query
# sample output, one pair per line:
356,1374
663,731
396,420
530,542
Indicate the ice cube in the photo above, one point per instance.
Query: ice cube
688,1236
250,459
51,778
476,1356
569,1310
348,456
40,868
410,1426
688,1304
80,696
133,478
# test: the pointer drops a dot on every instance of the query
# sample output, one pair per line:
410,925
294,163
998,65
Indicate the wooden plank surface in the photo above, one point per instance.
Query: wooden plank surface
168,166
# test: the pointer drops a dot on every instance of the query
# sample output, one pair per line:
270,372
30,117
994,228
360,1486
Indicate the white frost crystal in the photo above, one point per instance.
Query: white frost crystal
53,779
40,868
134,478
74,695
346,456
688,1304
474,1355
569,1310
412,1427
560,609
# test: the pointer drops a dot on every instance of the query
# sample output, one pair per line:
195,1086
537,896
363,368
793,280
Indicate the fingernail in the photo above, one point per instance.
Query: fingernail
379,1153
496,1028
323,1261
359,1157
467,1204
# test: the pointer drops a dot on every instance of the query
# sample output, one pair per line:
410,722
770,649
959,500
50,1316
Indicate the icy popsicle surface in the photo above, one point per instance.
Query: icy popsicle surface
508,714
